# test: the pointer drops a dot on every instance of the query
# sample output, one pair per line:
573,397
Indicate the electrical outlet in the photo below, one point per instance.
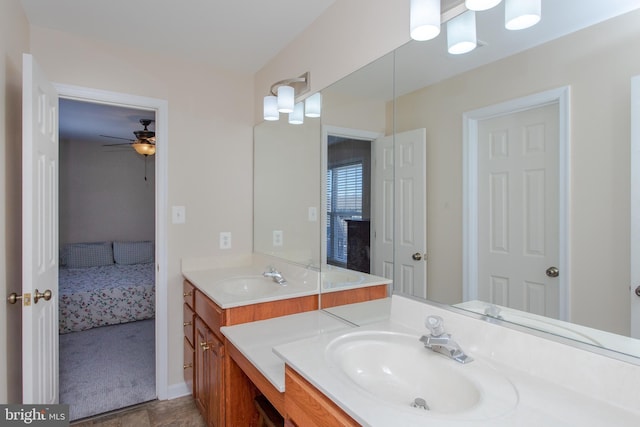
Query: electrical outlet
225,240
313,214
178,214
278,238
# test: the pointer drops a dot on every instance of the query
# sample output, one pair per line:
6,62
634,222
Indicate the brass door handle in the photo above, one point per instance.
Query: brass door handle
204,346
13,298
46,295
418,256
553,272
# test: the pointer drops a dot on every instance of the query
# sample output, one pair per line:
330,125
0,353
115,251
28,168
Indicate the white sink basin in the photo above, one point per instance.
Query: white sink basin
249,286
335,278
396,369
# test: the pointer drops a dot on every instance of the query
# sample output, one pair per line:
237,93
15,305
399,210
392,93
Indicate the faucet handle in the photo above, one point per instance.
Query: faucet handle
435,324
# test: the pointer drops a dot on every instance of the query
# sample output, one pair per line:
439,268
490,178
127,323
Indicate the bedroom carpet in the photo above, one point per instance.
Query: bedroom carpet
107,368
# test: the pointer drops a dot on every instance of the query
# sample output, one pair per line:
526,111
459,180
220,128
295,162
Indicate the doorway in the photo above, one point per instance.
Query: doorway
483,225
106,227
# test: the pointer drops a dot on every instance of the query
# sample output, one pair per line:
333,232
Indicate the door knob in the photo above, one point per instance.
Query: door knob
638,291
418,256
13,298
46,295
553,272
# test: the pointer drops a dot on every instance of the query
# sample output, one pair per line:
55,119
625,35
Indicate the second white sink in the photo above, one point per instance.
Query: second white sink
397,370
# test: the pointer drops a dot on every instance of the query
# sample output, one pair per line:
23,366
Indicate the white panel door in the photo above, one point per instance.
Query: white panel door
634,289
400,214
39,236
382,212
411,212
518,215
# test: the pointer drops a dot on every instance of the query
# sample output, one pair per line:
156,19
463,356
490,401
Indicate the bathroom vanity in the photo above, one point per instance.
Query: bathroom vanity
223,381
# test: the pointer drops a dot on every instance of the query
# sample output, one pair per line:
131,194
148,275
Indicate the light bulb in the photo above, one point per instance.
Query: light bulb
461,33
521,14
286,100
424,19
297,116
270,108
313,105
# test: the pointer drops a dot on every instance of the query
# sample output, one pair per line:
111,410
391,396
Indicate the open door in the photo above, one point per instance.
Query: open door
400,229
39,237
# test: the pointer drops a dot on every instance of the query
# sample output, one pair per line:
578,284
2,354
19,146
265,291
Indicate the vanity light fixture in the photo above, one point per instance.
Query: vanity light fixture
296,117
461,33
424,16
479,5
283,97
521,14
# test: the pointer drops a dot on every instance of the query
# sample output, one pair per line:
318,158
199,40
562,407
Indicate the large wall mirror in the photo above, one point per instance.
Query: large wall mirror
573,73
563,87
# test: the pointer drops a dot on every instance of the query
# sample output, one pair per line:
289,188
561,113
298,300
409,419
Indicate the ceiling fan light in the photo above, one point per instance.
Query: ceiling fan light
144,148
479,5
424,19
461,33
286,95
297,116
313,105
270,108
521,14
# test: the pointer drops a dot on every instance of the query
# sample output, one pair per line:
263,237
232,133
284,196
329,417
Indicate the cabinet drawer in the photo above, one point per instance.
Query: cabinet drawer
212,315
188,293
187,322
188,364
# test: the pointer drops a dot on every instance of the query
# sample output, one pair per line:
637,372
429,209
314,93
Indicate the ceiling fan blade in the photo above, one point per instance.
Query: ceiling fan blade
117,137
116,145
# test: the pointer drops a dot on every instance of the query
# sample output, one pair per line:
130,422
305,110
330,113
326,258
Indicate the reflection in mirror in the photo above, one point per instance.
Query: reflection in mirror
287,191
565,51
350,247
585,279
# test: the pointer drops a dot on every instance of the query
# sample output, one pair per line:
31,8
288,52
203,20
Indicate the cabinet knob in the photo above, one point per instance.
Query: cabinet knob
186,294
187,366
187,324
204,346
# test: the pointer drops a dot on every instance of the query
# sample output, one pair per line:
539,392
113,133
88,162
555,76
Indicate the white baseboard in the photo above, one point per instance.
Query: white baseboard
177,390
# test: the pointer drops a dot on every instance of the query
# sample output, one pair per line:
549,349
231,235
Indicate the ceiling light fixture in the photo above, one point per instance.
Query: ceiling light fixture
296,117
313,105
270,108
143,147
480,5
424,16
461,33
521,14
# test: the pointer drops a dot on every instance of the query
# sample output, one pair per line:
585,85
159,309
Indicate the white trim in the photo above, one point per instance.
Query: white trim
561,96
161,108
635,207
347,133
178,390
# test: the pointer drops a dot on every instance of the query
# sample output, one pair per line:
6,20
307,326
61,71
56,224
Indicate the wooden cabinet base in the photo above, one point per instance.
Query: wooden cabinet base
306,406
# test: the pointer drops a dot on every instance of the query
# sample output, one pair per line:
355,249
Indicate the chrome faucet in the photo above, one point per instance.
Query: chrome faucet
441,342
275,275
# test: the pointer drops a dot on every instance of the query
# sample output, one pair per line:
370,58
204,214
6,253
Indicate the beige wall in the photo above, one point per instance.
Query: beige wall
95,184
14,40
210,145
598,69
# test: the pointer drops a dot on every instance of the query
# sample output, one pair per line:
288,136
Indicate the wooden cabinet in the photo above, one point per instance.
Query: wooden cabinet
222,392
306,406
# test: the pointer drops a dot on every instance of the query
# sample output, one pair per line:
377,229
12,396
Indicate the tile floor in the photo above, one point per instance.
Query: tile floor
181,412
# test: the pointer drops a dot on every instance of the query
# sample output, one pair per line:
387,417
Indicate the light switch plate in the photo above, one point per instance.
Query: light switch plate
225,240
178,214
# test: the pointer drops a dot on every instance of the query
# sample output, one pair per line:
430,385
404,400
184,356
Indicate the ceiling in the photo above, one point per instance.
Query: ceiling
238,35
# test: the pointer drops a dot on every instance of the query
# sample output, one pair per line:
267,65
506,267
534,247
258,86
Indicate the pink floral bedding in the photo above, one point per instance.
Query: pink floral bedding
105,295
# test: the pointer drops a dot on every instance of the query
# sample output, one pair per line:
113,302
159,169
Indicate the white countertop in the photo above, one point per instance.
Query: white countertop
256,340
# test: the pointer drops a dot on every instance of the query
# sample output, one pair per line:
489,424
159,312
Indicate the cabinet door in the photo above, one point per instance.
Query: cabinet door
215,372
201,380
188,364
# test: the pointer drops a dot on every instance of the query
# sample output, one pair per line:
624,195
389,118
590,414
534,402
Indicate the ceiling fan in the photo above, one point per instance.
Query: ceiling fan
145,142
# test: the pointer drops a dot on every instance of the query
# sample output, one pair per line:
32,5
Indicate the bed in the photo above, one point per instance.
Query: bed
105,283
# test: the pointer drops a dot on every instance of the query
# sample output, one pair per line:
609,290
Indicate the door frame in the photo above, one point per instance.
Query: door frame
561,96
161,108
329,130
635,208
